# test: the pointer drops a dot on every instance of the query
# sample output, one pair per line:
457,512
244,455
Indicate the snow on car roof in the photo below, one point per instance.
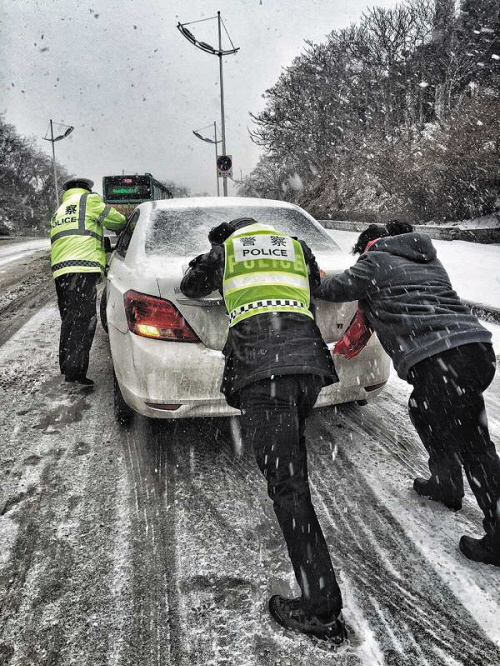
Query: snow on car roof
218,202
184,228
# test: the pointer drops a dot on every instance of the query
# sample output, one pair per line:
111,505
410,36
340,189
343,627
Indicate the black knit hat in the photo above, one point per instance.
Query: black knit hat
397,227
219,234
240,222
371,233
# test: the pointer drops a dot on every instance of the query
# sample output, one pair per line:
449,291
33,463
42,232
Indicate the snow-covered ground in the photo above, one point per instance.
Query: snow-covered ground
159,545
17,251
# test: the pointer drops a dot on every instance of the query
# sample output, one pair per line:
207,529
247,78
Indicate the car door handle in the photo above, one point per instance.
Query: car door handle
201,302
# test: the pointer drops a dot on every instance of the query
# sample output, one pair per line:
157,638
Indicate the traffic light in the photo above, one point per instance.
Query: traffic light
225,166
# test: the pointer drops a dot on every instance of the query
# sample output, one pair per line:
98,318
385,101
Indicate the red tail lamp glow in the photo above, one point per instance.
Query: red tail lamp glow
153,317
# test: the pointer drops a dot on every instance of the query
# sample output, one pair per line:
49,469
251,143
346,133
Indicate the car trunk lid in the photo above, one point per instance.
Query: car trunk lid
208,318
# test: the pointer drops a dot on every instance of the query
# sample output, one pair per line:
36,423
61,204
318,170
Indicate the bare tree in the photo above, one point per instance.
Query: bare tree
26,183
359,119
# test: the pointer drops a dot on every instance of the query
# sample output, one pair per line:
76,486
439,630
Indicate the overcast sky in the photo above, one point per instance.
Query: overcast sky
134,88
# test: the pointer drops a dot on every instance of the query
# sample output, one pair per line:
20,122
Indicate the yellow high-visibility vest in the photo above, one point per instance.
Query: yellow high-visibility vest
264,271
77,234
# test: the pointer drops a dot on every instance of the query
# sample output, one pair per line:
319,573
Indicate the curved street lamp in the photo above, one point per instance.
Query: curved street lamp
220,52
53,139
203,45
214,141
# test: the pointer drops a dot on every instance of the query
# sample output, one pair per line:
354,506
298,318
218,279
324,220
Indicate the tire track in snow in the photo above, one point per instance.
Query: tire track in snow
204,593
156,632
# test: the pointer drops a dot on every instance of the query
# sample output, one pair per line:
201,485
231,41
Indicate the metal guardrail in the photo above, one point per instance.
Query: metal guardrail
485,312
434,231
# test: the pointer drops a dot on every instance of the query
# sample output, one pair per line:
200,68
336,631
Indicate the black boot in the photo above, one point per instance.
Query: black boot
486,550
291,615
432,490
85,381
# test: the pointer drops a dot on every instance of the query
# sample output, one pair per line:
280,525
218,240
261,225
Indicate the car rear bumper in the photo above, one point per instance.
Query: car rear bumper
156,375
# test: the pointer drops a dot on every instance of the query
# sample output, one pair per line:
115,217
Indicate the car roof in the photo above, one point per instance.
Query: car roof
218,202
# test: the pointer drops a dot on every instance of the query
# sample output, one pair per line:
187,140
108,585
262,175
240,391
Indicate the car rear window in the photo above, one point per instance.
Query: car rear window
185,231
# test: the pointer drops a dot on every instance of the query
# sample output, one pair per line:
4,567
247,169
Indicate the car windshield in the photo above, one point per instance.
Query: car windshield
184,231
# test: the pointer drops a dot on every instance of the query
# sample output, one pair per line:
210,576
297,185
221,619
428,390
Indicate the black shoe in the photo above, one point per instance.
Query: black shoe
480,550
291,615
428,488
80,380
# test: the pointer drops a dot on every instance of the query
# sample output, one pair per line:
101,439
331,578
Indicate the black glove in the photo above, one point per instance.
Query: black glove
197,260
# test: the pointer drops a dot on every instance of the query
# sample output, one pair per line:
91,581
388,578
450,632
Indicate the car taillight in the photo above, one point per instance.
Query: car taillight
153,317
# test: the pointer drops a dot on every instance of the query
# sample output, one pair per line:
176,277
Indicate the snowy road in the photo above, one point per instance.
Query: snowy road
25,281
14,250
159,546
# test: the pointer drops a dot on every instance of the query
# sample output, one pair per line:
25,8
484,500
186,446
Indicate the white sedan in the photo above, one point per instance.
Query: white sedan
166,348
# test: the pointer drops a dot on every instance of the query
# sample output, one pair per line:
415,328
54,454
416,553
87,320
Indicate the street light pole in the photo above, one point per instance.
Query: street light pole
69,129
54,163
203,46
222,121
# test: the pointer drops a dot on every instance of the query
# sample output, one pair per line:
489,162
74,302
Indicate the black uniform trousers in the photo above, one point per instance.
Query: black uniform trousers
448,412
76,297
273,420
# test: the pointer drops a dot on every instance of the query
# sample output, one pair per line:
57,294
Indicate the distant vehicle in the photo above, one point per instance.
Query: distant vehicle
125,192
4,230
166,348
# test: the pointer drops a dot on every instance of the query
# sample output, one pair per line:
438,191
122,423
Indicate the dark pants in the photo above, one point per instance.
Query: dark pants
273,420
76,297
447,409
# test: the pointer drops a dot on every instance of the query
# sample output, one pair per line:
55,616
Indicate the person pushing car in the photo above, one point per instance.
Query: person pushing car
78,260
442,350
276,363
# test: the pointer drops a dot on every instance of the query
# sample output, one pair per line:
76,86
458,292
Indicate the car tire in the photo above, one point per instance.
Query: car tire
362,403
123,413
102,310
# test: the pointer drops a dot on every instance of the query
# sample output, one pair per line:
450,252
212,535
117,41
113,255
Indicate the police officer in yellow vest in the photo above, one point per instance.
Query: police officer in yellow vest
78,260
276,363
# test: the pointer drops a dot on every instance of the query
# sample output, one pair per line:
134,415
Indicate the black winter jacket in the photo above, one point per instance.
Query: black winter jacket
267,344
407,297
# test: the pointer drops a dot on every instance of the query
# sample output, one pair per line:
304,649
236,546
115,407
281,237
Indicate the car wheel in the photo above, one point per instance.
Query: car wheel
362,403
123,413
102,310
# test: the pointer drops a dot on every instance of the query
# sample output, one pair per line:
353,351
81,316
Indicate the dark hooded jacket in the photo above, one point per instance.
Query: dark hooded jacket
267,344
407,297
